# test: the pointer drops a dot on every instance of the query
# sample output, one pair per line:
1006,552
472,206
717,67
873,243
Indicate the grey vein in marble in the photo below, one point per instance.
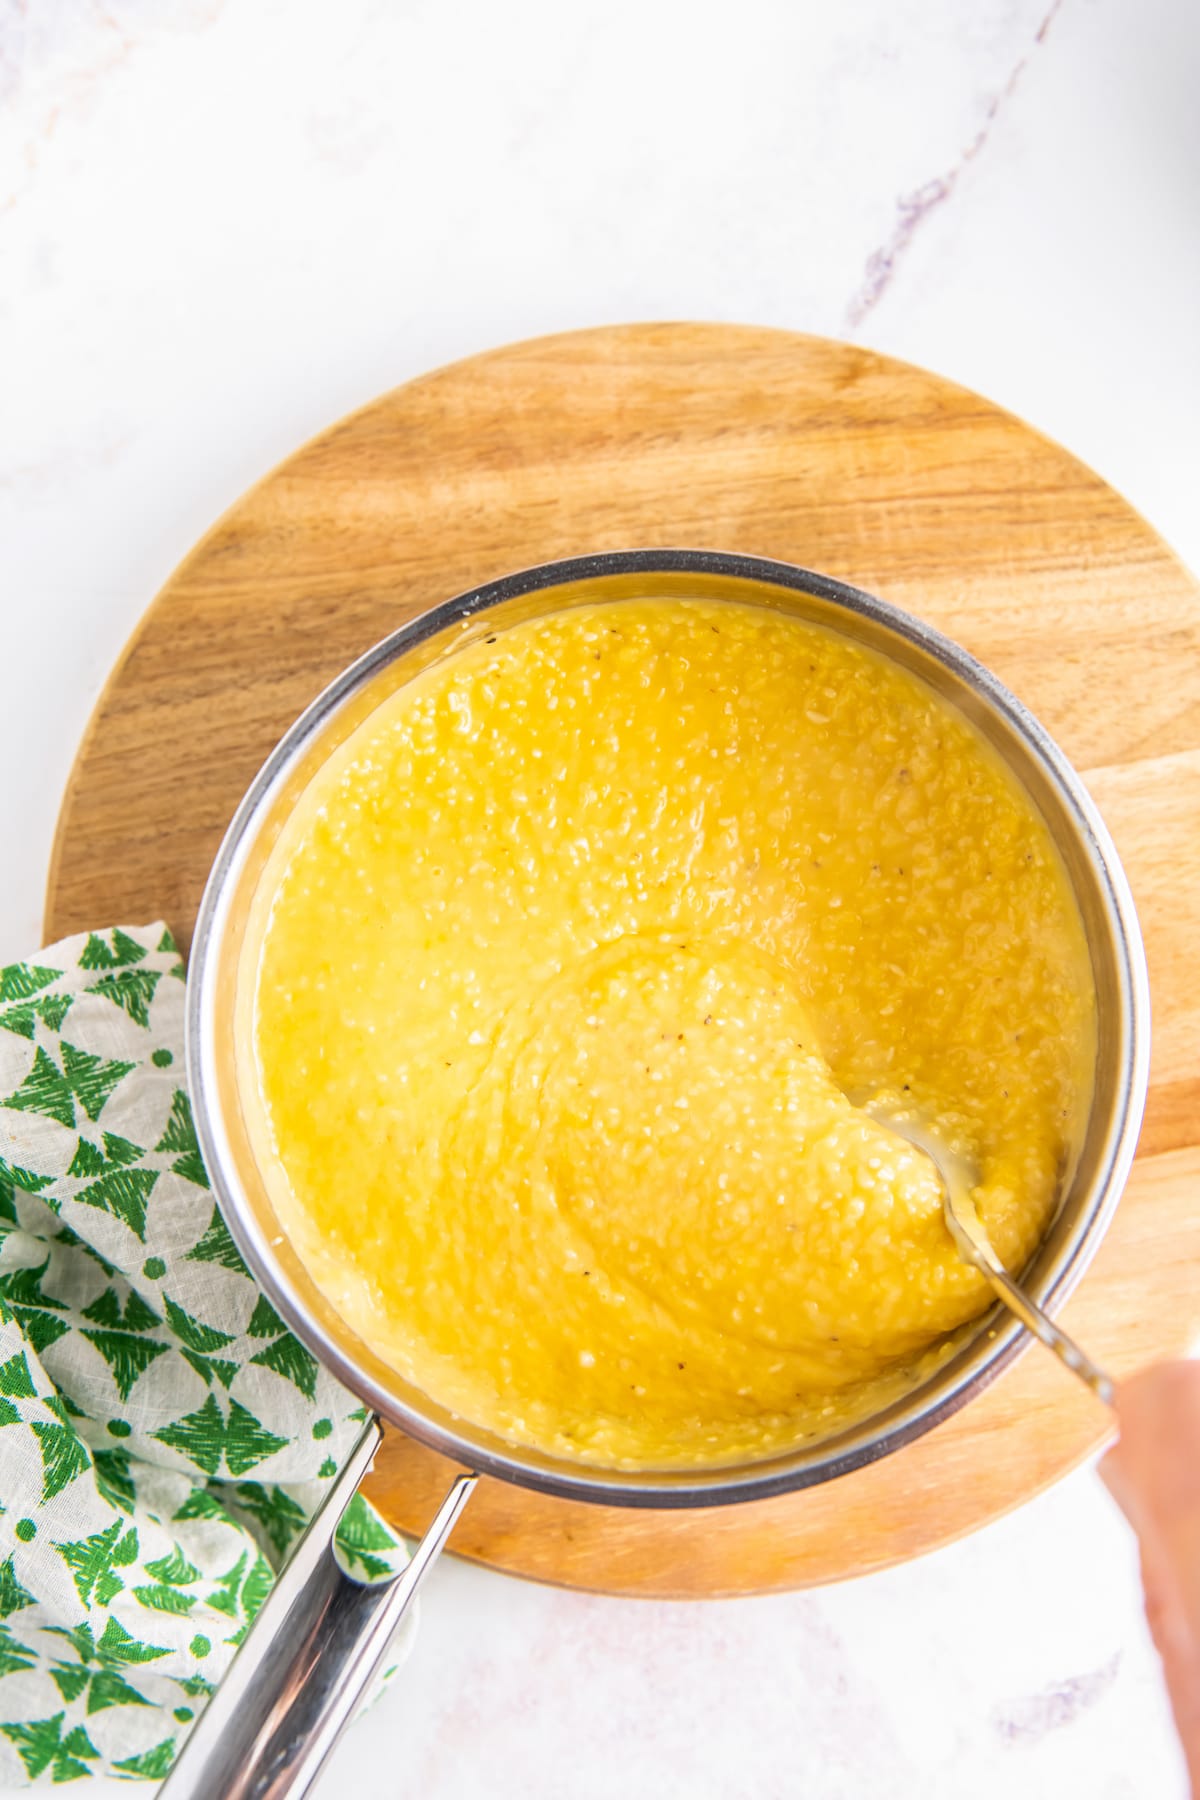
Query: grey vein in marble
915,208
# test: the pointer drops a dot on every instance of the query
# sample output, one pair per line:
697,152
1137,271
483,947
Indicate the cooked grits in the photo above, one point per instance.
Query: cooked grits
579,945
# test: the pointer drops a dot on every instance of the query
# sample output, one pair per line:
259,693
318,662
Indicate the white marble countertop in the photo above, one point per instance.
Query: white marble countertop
224,223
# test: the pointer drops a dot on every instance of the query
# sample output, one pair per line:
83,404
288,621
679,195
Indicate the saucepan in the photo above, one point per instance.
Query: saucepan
321,1636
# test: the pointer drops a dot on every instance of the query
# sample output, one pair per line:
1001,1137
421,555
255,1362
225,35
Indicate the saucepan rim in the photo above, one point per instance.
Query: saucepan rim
999,1339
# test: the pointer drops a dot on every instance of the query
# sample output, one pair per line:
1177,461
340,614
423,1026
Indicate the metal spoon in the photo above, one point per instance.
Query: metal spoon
971,1238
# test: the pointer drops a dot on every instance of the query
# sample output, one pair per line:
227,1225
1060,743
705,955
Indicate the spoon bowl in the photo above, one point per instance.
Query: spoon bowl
971,1239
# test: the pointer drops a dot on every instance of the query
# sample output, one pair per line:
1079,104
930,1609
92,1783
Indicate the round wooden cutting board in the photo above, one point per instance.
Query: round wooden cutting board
733,439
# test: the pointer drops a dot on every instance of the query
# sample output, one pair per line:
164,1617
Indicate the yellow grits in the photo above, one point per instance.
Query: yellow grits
579,945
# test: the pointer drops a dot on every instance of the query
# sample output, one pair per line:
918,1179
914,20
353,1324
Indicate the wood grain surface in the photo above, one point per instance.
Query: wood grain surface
727,438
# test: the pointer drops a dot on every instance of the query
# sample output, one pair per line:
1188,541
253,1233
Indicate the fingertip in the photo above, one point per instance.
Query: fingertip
1112,1473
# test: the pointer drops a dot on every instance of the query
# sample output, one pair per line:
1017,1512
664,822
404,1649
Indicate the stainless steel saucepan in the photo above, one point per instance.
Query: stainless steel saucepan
321,1636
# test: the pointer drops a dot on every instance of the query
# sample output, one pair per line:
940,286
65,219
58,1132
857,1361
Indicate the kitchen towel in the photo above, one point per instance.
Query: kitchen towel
163,1438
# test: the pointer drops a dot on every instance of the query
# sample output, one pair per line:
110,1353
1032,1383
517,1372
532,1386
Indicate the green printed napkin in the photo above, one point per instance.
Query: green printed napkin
163,1438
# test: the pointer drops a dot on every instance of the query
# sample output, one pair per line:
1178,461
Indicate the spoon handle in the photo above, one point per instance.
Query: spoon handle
1030,1314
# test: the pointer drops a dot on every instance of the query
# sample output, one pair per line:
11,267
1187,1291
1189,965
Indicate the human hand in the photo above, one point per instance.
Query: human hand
1154,1476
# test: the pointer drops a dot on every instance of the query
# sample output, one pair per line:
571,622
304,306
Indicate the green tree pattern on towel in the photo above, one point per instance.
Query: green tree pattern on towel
163,1437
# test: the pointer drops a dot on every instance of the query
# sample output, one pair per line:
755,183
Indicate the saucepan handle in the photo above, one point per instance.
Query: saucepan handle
308,1660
